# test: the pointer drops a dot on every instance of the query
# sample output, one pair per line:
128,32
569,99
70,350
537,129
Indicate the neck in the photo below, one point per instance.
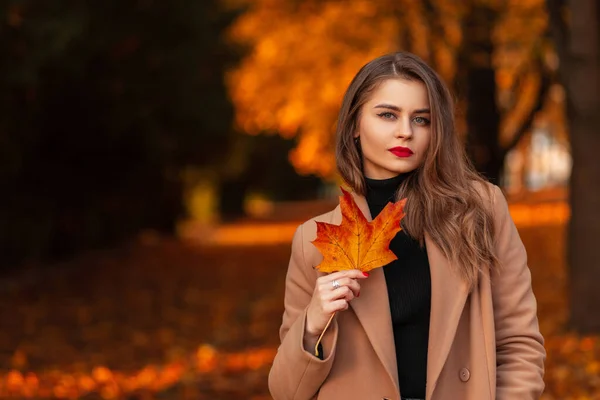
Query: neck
382,191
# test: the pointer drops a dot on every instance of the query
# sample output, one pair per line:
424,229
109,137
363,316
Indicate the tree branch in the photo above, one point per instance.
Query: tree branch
545,83
434,16
522,71
559,28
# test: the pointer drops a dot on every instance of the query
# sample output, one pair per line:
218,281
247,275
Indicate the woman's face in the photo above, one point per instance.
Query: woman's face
394,128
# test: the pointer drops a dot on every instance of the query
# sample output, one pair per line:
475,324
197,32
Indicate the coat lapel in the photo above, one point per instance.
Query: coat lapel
373,309
448,296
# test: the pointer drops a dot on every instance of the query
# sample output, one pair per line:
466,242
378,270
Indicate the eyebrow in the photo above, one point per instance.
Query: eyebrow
395,108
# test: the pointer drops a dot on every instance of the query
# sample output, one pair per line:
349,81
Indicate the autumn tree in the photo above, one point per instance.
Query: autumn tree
292,81
297,67
576,27
491,69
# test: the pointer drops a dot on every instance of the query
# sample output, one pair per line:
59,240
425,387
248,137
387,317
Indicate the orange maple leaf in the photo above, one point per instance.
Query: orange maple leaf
357,243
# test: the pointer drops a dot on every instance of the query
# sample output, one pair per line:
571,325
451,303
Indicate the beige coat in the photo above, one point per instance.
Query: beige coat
483,344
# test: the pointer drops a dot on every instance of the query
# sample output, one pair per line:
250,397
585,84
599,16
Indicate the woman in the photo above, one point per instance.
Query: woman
454,317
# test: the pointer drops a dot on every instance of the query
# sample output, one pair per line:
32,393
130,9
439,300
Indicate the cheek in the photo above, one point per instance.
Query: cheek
377,130
425,139
422,145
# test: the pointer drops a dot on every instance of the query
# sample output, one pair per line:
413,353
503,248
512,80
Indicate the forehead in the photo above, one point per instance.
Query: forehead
401,92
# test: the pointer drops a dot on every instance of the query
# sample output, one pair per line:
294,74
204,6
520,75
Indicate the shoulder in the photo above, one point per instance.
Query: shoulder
485,189
309,228
494,199
490,194
307,232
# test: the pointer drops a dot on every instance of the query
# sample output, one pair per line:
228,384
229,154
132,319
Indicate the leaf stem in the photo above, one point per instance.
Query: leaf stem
323,333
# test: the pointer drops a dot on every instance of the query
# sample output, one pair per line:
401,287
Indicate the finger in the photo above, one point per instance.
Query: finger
327,279
334,306
351,273
343,292
327,288
351,283
332,283
354,285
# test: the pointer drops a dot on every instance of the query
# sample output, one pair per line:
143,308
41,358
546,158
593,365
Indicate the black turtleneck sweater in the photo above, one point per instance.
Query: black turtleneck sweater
409,290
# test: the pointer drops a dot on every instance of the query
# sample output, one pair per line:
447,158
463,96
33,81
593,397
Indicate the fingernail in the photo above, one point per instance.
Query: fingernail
365,273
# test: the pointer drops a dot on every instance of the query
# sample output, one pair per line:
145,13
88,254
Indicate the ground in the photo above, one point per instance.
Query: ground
169,319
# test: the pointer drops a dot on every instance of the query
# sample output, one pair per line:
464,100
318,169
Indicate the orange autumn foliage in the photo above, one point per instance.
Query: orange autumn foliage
293,79
357,243
297,66
111,384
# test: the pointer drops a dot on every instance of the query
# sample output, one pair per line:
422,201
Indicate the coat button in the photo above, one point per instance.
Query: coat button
464,374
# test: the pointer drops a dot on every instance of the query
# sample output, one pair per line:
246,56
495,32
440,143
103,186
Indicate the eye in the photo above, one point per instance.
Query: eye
421,121
387,115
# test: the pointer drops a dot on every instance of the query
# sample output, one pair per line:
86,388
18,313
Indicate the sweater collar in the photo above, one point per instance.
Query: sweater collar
382,191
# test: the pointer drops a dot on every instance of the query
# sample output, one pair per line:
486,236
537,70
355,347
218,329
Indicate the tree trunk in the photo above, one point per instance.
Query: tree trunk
584,226
577,46
483,117
582,81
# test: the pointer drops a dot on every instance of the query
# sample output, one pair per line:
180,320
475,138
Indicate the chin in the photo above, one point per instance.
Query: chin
391,169
402,169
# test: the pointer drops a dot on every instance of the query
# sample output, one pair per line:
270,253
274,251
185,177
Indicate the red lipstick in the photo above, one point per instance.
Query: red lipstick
401,151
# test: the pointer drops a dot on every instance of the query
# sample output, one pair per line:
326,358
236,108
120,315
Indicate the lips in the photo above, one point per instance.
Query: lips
401,151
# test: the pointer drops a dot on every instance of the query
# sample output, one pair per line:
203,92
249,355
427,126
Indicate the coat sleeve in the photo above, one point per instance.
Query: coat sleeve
520,352
297,374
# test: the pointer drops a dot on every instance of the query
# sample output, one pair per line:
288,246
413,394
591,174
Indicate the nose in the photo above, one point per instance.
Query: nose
404,129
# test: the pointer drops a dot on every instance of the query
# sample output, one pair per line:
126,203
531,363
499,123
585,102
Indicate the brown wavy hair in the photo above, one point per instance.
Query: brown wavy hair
443,194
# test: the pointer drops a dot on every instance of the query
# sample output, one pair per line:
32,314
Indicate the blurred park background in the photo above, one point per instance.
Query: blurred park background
156,157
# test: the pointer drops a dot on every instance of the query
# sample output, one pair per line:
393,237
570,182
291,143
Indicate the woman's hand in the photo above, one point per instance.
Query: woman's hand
329,297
